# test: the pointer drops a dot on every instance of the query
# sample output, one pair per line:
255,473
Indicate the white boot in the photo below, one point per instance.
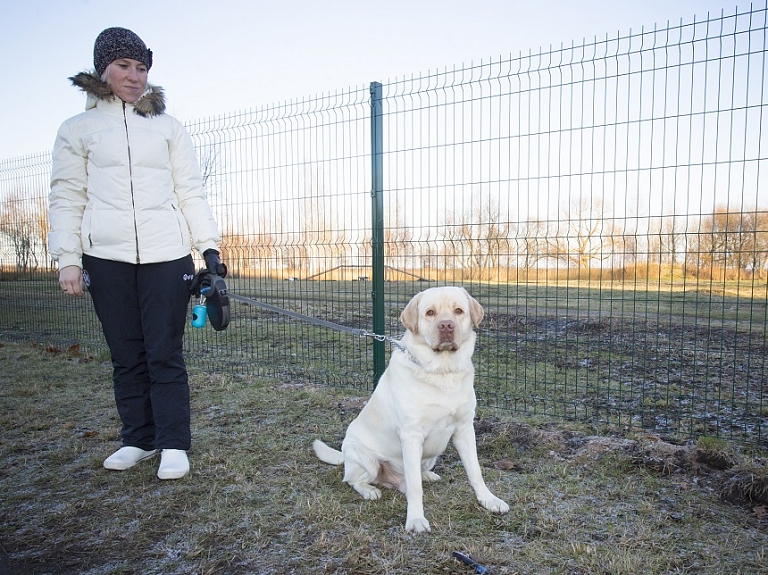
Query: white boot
126,457
173,464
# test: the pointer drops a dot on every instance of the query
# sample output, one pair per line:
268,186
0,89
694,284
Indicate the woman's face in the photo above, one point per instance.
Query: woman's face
127,78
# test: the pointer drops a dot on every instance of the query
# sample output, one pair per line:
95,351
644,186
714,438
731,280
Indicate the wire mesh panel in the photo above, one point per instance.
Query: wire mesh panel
32,303
603,202
289,186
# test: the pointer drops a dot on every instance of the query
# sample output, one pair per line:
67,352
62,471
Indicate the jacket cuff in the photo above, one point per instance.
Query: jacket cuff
66,260
207,246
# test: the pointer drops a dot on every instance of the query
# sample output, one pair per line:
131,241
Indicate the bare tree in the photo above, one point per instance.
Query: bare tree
209,156
264,253
732,240
24,222
321,245
757,256
235,251
725,239
397,237
477,240
666,242
531,240
43,225
624,247
581,239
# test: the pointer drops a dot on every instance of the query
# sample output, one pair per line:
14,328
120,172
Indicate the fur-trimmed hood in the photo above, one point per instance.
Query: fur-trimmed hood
152,103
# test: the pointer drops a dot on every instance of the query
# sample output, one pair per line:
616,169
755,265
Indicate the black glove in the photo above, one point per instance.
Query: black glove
213,263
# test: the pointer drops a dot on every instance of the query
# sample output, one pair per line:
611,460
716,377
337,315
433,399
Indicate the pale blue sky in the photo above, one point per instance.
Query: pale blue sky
219,57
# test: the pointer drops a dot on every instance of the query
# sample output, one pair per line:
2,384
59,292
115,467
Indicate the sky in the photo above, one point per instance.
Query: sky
215,58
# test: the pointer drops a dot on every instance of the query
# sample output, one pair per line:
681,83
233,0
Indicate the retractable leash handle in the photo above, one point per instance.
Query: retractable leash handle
209,285
217,303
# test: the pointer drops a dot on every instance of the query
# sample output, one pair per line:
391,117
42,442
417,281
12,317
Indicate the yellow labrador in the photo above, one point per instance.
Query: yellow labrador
424,398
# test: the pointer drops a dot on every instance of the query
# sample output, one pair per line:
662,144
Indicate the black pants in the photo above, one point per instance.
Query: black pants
143,312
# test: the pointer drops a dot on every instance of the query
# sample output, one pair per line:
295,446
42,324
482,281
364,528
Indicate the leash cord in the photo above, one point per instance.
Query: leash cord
316,321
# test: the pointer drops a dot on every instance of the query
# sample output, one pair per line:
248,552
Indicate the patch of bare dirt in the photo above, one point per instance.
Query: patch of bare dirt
738,479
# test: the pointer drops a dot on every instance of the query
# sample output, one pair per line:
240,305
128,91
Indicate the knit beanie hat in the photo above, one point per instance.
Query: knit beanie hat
115,43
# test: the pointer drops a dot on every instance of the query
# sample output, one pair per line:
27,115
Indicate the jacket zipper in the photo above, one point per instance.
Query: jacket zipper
130,180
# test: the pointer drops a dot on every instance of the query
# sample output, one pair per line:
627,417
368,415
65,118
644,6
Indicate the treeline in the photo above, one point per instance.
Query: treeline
585,241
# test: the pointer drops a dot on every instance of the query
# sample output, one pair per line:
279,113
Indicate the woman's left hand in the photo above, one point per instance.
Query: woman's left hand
71,280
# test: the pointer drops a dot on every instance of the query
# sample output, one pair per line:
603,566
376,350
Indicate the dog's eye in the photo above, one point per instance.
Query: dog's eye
430,313
458,311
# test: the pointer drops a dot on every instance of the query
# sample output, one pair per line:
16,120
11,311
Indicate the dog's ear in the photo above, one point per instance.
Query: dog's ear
476,311
410,316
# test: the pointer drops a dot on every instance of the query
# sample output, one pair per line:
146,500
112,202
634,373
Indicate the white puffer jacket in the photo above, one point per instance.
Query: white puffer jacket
125,184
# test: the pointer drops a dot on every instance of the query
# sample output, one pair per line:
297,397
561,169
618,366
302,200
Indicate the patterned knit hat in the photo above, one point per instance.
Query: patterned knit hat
115,43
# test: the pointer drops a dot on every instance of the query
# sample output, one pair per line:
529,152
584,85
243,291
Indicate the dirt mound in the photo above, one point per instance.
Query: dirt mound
738,478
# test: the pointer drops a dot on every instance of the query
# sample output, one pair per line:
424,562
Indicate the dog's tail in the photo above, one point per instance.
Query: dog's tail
327,454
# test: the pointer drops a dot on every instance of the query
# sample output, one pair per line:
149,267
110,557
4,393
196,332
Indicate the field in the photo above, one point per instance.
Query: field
682,360
257,501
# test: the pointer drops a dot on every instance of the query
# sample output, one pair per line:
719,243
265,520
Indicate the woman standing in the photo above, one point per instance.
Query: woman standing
126,205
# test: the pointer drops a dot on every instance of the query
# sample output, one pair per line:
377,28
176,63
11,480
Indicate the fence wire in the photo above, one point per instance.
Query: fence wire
604,202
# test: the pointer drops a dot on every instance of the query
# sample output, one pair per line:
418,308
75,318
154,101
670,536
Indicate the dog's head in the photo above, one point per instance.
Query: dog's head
443,316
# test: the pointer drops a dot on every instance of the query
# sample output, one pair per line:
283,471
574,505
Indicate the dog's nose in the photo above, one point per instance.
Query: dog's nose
446,326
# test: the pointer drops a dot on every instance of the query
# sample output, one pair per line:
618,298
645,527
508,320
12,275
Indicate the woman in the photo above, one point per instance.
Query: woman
126,205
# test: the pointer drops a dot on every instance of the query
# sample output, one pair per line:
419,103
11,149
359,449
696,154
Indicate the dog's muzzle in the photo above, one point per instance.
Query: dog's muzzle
446,330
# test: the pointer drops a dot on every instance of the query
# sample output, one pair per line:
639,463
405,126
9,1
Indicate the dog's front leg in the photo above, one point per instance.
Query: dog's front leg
464,441
412,446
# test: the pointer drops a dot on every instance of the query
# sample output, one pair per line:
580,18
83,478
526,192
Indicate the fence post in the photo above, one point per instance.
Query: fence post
377,229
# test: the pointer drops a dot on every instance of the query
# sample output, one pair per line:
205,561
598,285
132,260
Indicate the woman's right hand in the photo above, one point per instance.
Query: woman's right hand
71,280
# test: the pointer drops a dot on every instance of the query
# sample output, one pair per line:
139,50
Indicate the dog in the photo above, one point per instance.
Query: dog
424,399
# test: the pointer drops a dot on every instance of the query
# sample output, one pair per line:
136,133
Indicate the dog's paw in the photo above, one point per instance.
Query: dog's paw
430,476
367,490
494,504
373,493
417,525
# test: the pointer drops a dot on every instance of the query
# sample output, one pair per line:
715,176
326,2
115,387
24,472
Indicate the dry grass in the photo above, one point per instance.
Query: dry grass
257,500
678,363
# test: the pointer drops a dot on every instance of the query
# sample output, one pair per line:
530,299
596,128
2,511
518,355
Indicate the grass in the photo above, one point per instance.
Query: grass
677,362
258,501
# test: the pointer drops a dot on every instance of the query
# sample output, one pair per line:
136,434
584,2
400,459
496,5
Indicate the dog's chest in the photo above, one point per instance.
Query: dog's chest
436,442
439,424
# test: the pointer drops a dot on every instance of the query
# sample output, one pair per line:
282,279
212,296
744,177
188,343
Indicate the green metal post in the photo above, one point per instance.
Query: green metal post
377,230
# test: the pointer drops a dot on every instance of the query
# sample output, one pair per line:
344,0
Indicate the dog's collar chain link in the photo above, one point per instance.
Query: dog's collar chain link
377,337
395,343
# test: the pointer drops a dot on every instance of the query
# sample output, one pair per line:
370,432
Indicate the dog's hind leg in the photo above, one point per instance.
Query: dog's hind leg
426,470
366,490
360,475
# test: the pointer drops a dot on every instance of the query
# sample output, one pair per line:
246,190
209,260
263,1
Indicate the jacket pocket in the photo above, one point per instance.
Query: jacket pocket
86,227
181,225
108,230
